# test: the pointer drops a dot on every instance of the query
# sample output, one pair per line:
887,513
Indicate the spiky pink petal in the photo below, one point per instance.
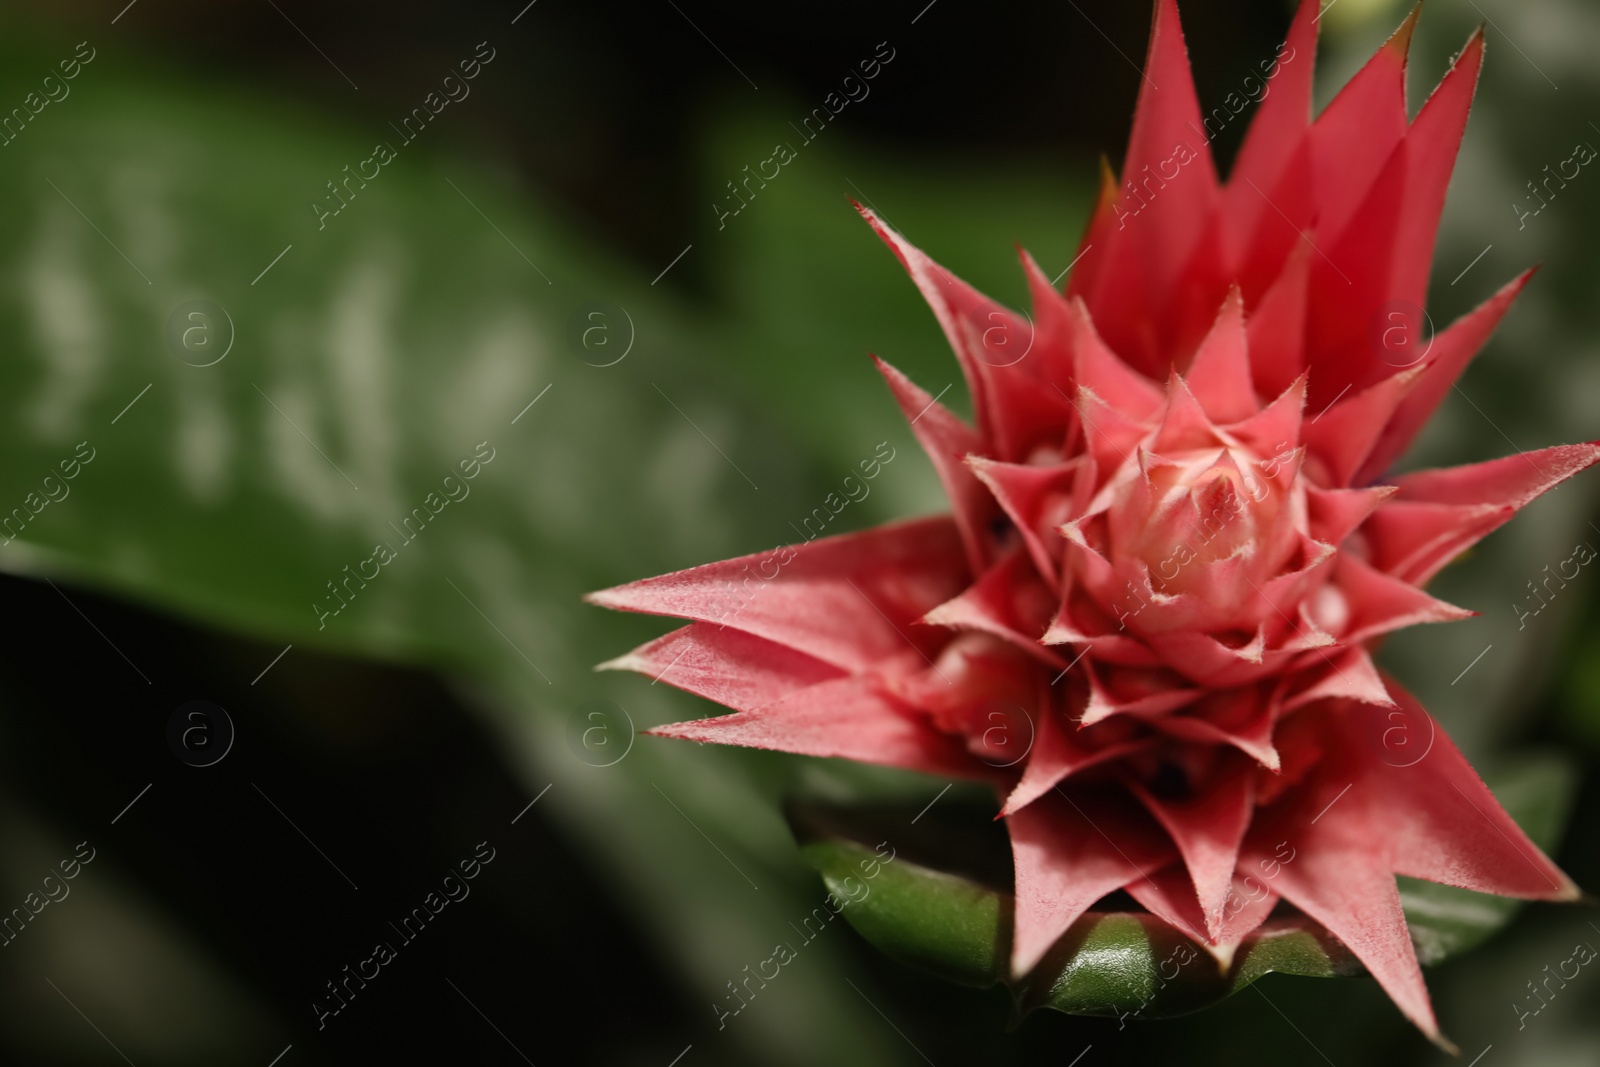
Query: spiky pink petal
1068,853
848,600
849,717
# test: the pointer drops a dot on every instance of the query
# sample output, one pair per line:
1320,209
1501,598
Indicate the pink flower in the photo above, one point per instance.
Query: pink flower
1149,620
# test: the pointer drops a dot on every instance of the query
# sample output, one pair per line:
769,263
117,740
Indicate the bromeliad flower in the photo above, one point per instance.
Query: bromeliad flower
1173,544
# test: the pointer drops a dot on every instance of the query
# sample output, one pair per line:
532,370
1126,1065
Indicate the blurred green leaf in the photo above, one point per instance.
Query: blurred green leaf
372,352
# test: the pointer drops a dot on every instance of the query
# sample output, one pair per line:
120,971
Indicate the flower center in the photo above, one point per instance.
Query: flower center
1183,513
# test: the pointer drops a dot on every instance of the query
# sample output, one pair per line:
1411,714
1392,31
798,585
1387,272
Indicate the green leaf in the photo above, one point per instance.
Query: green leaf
1118,963
958,925
373,356
930,919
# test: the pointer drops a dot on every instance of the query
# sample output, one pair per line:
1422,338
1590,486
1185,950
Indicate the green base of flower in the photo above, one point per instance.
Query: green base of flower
937,907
